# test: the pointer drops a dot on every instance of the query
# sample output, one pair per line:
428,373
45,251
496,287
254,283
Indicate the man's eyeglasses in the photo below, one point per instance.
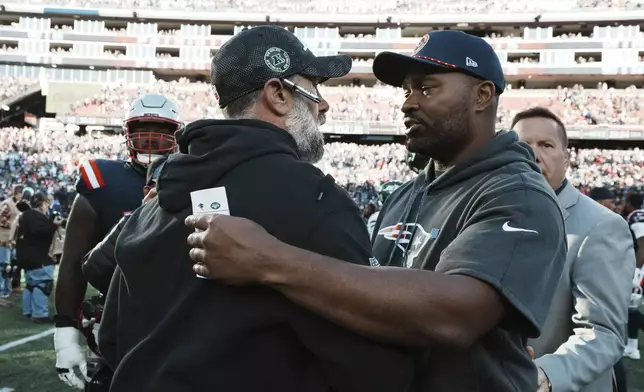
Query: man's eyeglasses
301,90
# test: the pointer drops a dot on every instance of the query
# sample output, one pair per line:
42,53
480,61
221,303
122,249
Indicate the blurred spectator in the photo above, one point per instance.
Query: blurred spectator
603,196
35,233
13,88
46,160
378,105
8,214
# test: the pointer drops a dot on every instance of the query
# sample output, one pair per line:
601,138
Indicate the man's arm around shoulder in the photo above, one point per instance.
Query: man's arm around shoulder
601,276
399,305
351,362
416,307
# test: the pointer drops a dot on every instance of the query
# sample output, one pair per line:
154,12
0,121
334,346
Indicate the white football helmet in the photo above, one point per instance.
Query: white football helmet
149,128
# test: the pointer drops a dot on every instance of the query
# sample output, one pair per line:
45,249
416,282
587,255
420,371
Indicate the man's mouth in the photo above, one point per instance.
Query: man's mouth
410,122
411,125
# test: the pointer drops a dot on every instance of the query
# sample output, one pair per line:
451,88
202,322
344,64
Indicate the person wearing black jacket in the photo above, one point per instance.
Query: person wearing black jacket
34,236
164,328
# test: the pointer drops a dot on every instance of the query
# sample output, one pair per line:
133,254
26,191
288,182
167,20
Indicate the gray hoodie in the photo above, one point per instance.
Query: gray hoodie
492,217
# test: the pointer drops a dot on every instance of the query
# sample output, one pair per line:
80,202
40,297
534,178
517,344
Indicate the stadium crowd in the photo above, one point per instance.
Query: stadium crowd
47,160
164,33
13,88
339,7
576,105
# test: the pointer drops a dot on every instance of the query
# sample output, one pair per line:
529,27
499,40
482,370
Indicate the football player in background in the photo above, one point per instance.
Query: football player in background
98,267
385,190
416,162
633,210
99,263
106,191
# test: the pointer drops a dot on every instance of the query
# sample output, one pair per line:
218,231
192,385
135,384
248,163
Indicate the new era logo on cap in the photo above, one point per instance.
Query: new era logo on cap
443,49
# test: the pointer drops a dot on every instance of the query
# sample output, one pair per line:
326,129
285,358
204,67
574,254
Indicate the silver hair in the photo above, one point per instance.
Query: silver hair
242,107
301,123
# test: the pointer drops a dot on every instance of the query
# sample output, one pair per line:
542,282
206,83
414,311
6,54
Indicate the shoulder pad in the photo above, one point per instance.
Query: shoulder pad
636,216
90,175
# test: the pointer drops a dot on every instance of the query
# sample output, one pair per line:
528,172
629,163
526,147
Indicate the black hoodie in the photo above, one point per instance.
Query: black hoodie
35,232
492,217
164,329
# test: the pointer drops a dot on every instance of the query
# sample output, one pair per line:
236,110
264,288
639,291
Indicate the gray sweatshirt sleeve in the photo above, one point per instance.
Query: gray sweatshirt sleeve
514,241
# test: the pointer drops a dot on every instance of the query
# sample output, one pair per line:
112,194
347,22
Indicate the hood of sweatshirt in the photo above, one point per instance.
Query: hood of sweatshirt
209,149
503,149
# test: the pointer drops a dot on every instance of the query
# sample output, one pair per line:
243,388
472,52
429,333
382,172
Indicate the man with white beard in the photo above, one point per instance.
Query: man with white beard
166,329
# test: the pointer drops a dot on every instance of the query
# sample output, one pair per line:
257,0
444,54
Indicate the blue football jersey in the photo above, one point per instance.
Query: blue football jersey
113,187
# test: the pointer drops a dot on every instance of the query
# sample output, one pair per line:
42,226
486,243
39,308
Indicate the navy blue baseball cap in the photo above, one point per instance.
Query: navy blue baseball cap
449,50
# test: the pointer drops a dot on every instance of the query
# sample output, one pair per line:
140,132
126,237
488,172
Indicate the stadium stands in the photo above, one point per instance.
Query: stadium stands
133,52
13,88
381,104
353,7
47,159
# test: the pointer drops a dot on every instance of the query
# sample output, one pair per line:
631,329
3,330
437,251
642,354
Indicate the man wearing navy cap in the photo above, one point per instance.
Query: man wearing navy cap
477,239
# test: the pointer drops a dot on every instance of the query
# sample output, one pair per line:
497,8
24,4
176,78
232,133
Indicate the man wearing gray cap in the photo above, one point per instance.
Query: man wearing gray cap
478,250
174,331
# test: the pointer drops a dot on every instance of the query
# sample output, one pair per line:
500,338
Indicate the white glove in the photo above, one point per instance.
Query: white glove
69,356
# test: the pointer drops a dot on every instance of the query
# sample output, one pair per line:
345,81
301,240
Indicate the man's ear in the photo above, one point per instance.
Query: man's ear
275,97
484,96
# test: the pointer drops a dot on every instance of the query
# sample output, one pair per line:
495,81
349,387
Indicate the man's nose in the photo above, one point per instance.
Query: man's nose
323,106
409,105
538,158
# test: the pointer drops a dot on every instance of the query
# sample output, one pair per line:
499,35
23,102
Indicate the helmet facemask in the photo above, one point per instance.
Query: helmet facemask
149,138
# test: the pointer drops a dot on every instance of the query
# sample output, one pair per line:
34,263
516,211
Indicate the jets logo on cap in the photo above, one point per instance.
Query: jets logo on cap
421,44
277,60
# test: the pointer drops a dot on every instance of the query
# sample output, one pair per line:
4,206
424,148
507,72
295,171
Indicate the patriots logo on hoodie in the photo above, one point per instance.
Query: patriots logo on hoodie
410,242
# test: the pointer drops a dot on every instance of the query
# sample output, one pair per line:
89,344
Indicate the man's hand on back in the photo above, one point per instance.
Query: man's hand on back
543,383
230,249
